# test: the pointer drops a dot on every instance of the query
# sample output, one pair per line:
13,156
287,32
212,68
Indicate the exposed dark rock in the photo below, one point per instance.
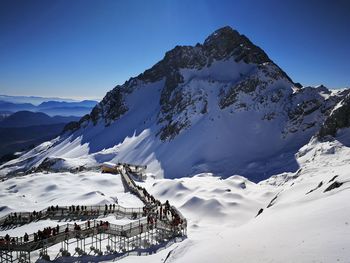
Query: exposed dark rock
333,178
75,125
245,86
272,202
95,113
112,106
260,211
340,118
222,44
334,185
305,108
48,164
177,103
298,85
269,116
170,130
226,42
71,126
318,186
243,185
168,100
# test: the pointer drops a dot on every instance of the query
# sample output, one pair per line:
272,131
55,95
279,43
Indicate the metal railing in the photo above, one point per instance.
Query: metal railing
68,231
58,212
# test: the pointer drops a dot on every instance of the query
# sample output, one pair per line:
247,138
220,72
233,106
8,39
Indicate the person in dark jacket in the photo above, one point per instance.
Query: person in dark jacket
26,237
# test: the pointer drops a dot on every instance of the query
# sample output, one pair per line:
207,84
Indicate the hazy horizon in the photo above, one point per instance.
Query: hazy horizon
54,97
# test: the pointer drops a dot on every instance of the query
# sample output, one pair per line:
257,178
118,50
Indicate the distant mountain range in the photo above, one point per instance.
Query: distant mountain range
35,100
52,108
28,118
62,104
26,122
25,129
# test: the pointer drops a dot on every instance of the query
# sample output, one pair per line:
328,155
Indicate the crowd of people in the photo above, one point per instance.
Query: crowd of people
37,236
154,211
27,217
53,208
52,232
21,218
46,233
163,211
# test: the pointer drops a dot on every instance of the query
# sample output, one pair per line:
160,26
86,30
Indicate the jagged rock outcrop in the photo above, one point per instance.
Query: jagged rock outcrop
339,117
223,44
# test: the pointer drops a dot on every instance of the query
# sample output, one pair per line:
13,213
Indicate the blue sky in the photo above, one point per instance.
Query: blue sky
83,48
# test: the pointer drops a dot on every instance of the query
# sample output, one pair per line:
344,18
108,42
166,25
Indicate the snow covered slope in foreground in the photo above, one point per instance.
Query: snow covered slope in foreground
38,191
305,218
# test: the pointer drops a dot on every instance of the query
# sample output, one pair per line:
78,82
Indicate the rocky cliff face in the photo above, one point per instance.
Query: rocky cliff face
338,118
224,44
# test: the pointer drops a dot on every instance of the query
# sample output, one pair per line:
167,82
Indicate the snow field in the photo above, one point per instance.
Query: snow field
38,191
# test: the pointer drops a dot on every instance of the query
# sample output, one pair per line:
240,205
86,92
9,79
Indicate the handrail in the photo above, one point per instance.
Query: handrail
69,231
64,211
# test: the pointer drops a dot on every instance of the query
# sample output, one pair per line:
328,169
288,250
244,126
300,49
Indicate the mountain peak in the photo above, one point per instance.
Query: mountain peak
226,42
225,33
222,44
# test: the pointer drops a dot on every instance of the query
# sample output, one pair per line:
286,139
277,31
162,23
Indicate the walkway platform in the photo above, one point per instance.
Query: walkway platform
157,223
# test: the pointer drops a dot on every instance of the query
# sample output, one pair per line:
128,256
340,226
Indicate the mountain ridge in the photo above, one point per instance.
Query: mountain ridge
222,107
51,108
28,118
224,43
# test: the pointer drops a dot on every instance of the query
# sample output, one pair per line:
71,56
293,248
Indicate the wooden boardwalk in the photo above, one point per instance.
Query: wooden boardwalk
157,223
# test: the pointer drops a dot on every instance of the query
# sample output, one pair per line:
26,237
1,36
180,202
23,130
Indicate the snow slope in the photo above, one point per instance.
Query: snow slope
304,218
39,190
300,226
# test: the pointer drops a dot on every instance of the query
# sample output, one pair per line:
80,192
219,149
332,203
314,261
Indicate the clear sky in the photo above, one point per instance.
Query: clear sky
83,48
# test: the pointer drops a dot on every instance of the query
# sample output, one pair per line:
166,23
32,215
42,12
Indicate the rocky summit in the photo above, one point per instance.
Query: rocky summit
222,106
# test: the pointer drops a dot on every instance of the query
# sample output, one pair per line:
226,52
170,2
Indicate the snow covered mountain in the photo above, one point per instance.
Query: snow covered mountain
222,106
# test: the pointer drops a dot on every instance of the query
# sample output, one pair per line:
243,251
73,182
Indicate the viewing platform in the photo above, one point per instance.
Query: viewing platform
155,224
